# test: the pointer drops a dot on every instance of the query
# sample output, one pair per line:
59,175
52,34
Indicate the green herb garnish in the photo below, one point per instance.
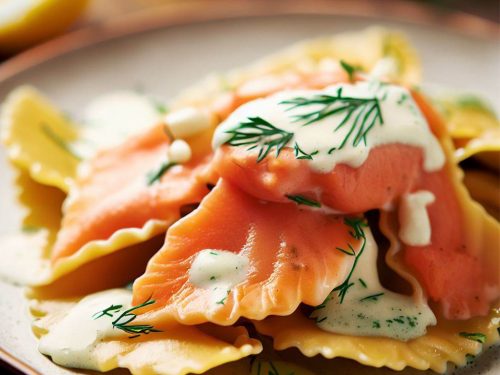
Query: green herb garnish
160,107
301,154
125,318
222,301
350,69
476,336
373,297
61,143
258,133
108,311
299,199
357,232
155,175
362,282
350,252
319,320
402,99
30,229
361,113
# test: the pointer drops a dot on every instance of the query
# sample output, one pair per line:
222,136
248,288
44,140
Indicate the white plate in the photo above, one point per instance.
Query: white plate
167,59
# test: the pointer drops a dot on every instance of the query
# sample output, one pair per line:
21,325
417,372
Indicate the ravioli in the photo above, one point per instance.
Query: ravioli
442,344
26,254
292,259
37,136
178,350
112,192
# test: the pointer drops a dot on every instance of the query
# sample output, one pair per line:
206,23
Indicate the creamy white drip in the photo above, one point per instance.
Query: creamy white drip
415,227
72,340
389,314
403,123
218,271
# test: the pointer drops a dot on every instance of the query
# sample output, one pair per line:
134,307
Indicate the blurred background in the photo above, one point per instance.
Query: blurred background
26,23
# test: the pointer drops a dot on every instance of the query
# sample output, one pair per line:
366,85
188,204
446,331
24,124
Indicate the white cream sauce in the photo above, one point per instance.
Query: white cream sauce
72,340
415,227
369,309
218,271
402,123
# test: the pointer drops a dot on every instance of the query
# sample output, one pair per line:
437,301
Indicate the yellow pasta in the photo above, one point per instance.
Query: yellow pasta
37,136
474,127
179,350
442,343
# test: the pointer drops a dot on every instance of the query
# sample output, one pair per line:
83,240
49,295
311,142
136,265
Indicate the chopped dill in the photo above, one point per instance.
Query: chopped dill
30,229
365,113
373,297
160,107
125,318
356,224
258,133
301,154
350,252
222,301
475,336
155,175
349,69
357,232
108,311
362,282
61,143
299,199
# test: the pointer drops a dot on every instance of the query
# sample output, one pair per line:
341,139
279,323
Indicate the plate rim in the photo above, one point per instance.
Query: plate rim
190,12
200,11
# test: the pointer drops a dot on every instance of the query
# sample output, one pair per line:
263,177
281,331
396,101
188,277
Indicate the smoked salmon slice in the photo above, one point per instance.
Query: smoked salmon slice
460,268
113,192
293,255
389,172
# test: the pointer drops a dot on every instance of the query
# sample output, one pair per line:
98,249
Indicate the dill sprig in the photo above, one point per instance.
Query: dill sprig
258,133
349,69
357,232
61,143
125,318
356,224
350,252
222,301
299,199
475,336
373,297
301,154
155,175
108,311
361,113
